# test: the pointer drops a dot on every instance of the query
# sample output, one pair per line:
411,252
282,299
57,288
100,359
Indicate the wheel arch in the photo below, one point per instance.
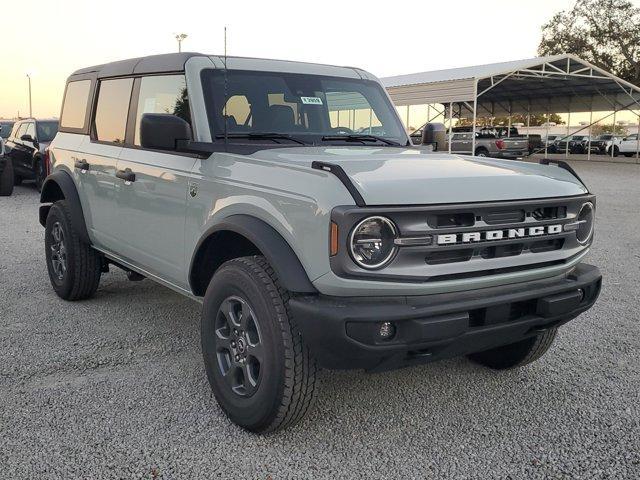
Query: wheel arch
243,235
60,186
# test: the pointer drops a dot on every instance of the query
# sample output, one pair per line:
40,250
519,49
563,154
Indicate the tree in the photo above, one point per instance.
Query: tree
602,32
536,120
600,129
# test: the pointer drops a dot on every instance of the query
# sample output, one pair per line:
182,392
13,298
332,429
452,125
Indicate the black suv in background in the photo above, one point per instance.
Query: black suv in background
25,148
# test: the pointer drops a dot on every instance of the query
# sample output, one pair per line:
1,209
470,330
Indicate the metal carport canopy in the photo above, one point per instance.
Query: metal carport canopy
560,83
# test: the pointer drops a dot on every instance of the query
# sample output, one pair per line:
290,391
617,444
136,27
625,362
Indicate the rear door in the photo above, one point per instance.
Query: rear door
461,143
96,159
152,205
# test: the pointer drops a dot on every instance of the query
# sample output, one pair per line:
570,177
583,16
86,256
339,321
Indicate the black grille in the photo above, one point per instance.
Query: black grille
498,218
449,256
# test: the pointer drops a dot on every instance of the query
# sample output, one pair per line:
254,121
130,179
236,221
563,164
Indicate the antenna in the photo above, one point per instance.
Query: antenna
224,111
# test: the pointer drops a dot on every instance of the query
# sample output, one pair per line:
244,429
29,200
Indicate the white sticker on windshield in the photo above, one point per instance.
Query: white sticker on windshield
311,100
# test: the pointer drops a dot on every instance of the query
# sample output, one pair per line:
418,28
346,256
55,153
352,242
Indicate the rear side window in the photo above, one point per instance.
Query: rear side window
74,108
110,122
162,94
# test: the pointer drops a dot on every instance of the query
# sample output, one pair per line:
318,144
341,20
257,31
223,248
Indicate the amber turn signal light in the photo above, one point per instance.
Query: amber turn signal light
333,240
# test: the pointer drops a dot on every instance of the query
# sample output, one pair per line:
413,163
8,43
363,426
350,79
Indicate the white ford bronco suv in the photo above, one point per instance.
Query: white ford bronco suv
287,198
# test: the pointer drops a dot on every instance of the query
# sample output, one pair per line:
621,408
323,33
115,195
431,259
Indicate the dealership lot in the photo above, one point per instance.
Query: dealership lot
115,386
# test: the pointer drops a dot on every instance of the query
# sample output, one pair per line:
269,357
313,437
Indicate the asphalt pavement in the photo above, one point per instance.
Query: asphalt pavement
114,387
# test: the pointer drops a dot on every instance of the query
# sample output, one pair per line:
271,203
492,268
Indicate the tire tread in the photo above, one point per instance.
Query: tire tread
87,261
300,367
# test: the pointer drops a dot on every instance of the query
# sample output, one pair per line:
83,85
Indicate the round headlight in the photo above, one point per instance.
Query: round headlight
585,223
372,242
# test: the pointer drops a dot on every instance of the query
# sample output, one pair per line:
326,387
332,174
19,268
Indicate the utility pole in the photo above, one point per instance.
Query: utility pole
180,37
30,112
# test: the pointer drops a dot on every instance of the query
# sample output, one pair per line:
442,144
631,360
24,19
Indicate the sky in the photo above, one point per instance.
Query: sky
380,37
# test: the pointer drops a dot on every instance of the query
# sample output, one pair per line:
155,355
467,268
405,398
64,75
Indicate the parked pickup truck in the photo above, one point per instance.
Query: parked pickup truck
308,243
487,144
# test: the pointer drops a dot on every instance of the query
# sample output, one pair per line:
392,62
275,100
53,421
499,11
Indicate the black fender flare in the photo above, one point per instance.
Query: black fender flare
273,246
57,183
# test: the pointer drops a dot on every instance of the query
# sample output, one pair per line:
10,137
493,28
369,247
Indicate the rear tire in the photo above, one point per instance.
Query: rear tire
6,179
259,368
516,354
482,152
74,266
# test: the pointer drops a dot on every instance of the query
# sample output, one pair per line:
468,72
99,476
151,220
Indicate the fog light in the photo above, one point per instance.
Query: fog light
387,330
581,293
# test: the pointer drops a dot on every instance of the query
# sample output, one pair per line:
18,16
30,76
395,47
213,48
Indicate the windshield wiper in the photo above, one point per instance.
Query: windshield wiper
262,135
361,137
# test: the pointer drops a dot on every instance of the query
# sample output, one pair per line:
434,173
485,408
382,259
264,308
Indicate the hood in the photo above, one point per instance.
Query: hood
412,176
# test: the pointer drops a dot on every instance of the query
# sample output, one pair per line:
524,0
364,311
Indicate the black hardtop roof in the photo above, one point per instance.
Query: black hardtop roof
175,62
168,62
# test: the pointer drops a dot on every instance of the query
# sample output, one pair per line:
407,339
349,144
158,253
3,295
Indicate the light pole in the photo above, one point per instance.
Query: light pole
30,112
180,37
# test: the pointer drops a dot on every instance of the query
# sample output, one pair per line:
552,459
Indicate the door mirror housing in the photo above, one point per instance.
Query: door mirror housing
163,131
27,138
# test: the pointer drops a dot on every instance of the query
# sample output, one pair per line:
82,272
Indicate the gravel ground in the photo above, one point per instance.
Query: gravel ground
114,387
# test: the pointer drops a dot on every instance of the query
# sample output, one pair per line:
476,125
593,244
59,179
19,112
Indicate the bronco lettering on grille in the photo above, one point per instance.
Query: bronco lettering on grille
488,235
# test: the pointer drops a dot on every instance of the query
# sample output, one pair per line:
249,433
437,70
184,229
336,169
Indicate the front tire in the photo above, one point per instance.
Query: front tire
516,354
6,179
74,266
482,152
40,173
259,368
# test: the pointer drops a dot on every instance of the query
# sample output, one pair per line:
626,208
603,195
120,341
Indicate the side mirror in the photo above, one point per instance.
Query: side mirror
26,138
162,131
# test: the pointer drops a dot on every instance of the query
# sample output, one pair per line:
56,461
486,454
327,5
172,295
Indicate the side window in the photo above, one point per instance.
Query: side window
110,122
74,108
31,130
21,130
162,94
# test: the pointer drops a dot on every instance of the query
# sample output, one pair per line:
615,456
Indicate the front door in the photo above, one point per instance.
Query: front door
153,188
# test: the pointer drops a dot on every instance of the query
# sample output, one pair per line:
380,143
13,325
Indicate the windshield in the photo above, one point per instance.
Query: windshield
309,109
46,131
6,129
604,137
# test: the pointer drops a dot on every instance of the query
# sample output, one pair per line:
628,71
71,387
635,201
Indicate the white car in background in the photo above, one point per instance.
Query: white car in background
628,146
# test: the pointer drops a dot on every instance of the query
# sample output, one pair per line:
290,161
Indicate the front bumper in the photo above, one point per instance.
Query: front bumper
342,332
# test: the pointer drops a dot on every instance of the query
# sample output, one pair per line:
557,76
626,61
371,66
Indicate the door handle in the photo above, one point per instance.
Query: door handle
127,175
81,164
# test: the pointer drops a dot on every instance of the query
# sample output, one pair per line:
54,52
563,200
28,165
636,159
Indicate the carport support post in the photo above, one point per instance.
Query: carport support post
638,142
546,140
450,123
590,124
473,129
566,150
613,136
